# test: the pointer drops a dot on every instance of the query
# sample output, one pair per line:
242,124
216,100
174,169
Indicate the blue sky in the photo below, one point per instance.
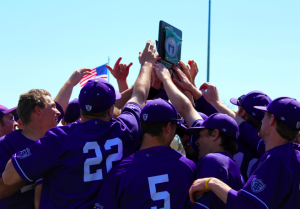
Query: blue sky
254,44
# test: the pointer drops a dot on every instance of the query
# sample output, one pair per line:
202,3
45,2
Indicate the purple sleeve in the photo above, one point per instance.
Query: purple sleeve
39,181
39,158
130,116
249,135
201,105
261,189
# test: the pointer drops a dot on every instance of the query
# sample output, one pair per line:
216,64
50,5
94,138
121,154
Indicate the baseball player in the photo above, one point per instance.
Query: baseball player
216,140
275,183
74,159
151,177
72,113
7,123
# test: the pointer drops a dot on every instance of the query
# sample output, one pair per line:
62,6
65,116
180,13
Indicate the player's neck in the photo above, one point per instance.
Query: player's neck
152,141
33,131
274,140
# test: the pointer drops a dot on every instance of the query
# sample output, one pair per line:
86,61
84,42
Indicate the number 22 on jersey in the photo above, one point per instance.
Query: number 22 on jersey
88,176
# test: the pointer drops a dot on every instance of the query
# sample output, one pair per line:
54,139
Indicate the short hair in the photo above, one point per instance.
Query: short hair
252,120
28,101
227,143
284,130
154,129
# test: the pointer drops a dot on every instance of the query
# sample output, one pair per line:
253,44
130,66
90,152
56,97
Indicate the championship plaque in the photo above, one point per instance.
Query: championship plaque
169,44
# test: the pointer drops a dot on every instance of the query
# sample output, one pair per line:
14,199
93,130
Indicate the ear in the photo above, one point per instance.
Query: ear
215,134
63,122
111,112
243,114
272,121
167,129
37,110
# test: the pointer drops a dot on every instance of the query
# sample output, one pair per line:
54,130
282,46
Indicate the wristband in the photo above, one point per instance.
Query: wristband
207,183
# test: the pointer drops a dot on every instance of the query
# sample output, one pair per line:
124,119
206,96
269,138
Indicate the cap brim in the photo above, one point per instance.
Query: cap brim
11,110
234,101
118,95
195,130
263,108
182,125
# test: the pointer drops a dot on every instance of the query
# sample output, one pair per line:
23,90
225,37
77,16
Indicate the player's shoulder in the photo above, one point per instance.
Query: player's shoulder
181,158
11,137
60,131
215,158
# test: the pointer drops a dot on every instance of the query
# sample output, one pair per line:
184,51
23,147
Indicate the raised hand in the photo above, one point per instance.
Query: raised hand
181,80
185,68
78,75
210,93
148,55
194,70
161,71
120,71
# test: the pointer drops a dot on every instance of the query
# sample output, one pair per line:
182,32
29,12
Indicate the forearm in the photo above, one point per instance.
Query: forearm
6,190
195,92
64,95
37,196
10,176
142,84
221,108
123,86
190,97
181,102
219,188
126,95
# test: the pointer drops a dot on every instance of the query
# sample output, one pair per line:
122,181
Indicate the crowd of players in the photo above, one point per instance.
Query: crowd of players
113,150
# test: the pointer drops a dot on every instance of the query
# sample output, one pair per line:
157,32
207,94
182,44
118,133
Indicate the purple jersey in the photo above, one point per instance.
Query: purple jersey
9,145
157,177
74,159
201,105
274,184
221,166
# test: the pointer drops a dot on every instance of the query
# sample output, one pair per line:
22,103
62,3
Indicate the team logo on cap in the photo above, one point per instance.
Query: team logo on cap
253,113
88,107
145,116
224,130
98,206
257,185
282,118
298,125
25,153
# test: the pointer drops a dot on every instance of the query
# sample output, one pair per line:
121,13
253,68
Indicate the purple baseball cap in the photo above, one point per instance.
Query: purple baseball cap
224,123
248,101
4,110
285,109
159,111
72,111
97,95
203,116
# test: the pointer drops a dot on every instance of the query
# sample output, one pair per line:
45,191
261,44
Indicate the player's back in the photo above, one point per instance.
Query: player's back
157,177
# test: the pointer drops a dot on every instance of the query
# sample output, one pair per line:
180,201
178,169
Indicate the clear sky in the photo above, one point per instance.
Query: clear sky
255,45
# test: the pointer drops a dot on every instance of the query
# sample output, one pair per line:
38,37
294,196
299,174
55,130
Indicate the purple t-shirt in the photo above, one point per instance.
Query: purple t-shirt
201,105
274,184
74,159
221,166
9,145
157,177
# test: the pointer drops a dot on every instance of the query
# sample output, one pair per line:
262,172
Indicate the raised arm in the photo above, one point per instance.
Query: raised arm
142,85
126,95
65,92
210,93
120,72
178,99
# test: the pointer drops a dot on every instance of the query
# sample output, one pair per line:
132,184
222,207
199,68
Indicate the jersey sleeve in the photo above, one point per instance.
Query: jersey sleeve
266,187
4,156
130,116
39,158
249,135
201,105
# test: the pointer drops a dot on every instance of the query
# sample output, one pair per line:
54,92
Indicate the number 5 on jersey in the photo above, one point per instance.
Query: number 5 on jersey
88,176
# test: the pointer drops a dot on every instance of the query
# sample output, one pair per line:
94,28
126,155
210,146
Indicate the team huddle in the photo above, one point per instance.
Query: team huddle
113,148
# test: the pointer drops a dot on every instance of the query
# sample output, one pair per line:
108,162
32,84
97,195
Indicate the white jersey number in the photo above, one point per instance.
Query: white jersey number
88,176
159,195
238,158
